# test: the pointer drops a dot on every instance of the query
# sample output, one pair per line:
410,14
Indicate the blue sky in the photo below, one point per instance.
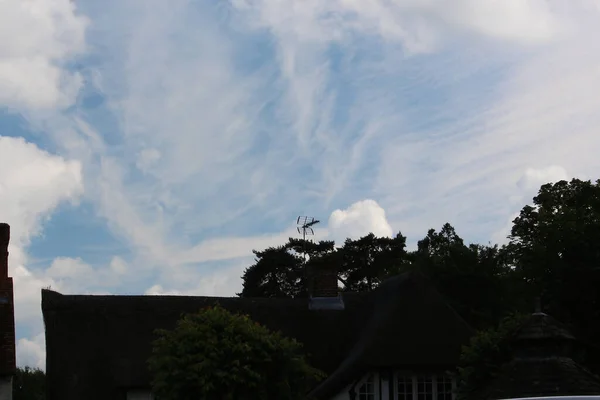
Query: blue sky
147,146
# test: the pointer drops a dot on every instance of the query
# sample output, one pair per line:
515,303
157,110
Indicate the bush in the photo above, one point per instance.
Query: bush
487,351
29,384
214,354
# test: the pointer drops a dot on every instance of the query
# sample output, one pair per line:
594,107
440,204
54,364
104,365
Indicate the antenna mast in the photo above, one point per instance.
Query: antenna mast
304,228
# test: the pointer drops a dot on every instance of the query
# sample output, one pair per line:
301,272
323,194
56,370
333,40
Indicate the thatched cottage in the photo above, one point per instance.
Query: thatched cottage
397,342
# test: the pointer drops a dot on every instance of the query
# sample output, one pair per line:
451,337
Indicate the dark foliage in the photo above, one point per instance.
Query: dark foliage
279,271
486,353
215,354
365,262
362,264
475,278
553,252
554,248
29,384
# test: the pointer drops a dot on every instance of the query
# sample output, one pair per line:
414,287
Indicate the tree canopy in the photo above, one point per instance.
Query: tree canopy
554,248
552,252
279,271
29,384
474,278
216,355
365,262
362,264
467,274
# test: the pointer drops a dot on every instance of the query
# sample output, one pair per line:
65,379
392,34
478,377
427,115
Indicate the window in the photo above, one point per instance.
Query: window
444,387
405,388
366,391
423,387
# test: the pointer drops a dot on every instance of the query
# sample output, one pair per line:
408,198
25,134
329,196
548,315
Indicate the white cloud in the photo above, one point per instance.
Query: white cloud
368,73
231,247
32,184
66,267
37,38
118,265
74,275
224,280
529,184
65,275
539,110
27,293
187,118
120,204
417,24
157,290
361,218
533,178
32,352
147,158
531,21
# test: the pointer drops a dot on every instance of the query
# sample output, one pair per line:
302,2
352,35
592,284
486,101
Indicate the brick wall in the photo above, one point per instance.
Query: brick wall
325,284
323,281
7,312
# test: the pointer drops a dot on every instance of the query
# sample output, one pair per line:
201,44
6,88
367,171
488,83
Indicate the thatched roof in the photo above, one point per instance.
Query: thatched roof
542,326
537,377
544,363
97,346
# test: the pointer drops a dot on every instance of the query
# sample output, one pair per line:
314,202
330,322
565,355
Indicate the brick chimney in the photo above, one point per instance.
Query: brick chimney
323,288
7,319
324,282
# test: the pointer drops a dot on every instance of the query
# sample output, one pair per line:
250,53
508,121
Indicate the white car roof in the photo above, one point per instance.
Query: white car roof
558,398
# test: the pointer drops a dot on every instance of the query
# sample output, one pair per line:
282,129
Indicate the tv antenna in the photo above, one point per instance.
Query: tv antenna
304,228
305,225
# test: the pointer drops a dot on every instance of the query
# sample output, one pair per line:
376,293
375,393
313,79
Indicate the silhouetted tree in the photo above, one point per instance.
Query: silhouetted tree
29,384
280,271
362,264
555,248
367,261
474,278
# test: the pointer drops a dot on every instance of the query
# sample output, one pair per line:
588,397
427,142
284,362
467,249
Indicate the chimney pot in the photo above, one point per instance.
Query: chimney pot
4,240
7,312
4,234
